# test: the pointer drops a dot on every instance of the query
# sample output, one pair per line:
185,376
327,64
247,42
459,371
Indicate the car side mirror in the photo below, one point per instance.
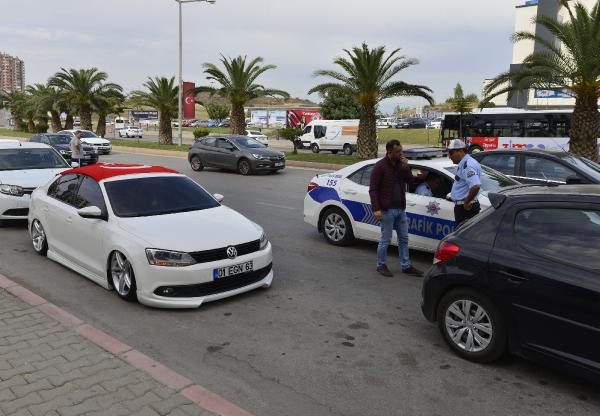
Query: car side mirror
92,212
575,180
219,197
449,198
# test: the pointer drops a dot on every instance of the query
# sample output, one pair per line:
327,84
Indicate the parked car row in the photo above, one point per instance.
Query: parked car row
409,123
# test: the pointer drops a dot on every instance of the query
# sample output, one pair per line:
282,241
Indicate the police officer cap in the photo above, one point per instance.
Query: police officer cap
457,144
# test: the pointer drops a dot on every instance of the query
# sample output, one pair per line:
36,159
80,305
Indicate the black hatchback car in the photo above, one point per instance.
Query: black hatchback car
232,152
543,167
60,142
524,277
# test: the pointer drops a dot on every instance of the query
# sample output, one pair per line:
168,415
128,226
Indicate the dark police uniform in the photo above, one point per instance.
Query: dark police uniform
468,174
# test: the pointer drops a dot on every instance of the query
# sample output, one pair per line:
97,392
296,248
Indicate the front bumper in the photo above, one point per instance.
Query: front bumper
196,278
266,165
103,149
14,207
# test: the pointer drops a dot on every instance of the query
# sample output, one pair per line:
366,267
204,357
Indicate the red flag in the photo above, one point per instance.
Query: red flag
189,101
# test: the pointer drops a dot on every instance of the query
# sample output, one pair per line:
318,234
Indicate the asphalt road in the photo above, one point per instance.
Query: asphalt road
330,337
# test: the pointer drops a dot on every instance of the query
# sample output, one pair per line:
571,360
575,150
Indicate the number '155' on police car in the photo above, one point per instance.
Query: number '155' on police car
339,206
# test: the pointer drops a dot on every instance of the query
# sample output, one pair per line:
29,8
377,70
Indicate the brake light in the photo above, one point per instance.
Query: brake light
312,186
445,252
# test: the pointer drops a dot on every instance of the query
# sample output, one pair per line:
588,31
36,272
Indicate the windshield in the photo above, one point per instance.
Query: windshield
24,158
491,180
248,143
59,139
589,167
87,134
159,195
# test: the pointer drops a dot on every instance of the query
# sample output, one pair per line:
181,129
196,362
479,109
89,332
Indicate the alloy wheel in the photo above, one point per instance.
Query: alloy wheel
334,227
244,167
121,274
196,163
469,325
38,237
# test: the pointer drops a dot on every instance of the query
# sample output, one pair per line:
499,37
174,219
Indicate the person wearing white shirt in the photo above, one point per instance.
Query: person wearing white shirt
75,147
432,182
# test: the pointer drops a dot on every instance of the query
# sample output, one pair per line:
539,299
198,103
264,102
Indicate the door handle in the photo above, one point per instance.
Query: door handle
514,278
69,220
349,192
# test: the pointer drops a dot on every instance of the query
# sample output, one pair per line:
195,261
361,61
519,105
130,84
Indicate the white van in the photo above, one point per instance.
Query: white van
120,123
332,135
386,123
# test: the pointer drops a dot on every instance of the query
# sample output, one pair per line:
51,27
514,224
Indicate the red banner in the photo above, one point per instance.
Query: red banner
189,100
300,118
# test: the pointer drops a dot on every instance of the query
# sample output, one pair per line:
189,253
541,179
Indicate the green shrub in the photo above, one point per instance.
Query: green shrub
41,127
200,133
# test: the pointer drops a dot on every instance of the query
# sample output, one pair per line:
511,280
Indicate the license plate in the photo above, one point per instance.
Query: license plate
278,164
233,270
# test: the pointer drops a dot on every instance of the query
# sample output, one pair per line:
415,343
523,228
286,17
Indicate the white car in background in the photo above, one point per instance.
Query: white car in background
436,123
24,166
131,131
258,136
102,145
339,206
150,233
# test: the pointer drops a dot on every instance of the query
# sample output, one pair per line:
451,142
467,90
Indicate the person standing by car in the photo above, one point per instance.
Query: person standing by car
467,182
387,190
75,147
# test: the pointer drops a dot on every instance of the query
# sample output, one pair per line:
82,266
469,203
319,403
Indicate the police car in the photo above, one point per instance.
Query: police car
339,206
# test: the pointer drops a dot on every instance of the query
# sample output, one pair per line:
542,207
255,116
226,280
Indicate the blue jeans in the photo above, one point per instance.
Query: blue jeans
394,219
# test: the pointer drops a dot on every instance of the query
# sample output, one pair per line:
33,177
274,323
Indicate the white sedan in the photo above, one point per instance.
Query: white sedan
24,166
130,131
150,233
100,144
258,136
339,206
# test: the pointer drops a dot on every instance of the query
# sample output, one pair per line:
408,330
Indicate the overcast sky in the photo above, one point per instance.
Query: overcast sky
462,41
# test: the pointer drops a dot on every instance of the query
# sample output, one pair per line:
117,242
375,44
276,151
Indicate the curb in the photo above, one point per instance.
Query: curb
201,396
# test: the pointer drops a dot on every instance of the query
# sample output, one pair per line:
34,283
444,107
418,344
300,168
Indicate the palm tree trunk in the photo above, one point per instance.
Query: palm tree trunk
85,116
238,119
367,133
101,127
165,132
30,126
585,123
55,121
69,121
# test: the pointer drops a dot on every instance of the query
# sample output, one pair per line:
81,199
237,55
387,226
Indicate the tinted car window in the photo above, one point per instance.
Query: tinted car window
27,158
157,196
501,163
362,176
59,139
223,144
89,195
591,168
87,134
558,234
546,169
65,189
248,143
320,131
307,130
211,141
36,139
491,180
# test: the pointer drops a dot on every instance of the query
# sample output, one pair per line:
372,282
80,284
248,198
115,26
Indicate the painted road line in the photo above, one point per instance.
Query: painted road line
275,205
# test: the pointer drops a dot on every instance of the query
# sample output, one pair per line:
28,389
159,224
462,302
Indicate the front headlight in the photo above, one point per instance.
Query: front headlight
257,156
263,241
63,152
167,258
13,190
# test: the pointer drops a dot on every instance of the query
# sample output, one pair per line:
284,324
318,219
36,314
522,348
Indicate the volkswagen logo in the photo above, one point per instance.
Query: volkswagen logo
231,252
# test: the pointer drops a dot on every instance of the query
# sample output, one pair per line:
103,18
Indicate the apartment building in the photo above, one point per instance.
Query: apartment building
12,74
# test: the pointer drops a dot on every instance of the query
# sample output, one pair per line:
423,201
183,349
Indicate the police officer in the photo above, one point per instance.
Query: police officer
467,182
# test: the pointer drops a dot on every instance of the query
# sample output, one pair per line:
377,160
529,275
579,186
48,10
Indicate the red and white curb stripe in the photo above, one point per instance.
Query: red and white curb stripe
161,373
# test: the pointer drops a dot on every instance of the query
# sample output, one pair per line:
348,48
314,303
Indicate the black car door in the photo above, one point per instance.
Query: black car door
545,265
542,170
227,154
206,149
506,163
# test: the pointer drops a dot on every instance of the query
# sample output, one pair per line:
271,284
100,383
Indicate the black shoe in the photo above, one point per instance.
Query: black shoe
385,271
413,271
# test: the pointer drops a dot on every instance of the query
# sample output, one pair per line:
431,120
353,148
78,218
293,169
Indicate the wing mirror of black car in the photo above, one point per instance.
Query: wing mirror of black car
575,180
92,212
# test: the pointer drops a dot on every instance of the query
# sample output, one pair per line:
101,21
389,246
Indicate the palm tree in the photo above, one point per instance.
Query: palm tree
237,85
81,85
15,102
162,95
368,77
573,65
110,101
462,104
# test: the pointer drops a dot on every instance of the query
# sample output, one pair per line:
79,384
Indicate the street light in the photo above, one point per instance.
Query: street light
180,104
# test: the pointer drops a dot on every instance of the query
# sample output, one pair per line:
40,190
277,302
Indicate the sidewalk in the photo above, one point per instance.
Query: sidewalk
54,364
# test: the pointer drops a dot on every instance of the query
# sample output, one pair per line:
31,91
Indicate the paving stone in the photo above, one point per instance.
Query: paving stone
21,391
166,406
13,406
142,401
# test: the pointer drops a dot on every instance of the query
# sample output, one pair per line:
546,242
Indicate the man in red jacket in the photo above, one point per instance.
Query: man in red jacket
389,179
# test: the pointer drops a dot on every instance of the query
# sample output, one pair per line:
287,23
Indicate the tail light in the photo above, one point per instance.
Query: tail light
445,252
312,186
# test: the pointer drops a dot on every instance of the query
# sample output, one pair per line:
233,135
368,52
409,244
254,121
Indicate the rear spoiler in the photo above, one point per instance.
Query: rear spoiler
496,199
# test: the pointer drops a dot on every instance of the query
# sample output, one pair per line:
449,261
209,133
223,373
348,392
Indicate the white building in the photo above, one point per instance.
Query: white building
525,22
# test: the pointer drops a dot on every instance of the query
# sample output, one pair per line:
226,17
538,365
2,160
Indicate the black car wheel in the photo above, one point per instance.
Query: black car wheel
472,325
315,148
336,227
244,167
196,163
348,150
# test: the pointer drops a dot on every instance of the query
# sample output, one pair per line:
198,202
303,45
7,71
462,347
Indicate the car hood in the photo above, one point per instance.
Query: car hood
263,152
95,140
193,231
31,178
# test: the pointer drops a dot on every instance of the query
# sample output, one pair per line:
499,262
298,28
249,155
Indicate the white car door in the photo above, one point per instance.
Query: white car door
429,218
354,192
58,208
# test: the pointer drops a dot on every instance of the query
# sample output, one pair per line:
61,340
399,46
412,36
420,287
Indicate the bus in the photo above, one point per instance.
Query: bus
509,128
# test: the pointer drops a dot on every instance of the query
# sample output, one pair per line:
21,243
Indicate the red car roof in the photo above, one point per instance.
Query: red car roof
102,171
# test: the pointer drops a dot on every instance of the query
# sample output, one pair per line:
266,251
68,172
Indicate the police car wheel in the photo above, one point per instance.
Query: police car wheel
315,148
475,149
472,325
336,227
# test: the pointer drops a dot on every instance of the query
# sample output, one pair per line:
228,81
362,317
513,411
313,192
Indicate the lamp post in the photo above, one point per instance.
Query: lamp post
180,99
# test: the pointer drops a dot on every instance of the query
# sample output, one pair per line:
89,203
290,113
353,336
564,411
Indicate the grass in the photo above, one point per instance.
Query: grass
421,137
13,133
150,145
323,158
